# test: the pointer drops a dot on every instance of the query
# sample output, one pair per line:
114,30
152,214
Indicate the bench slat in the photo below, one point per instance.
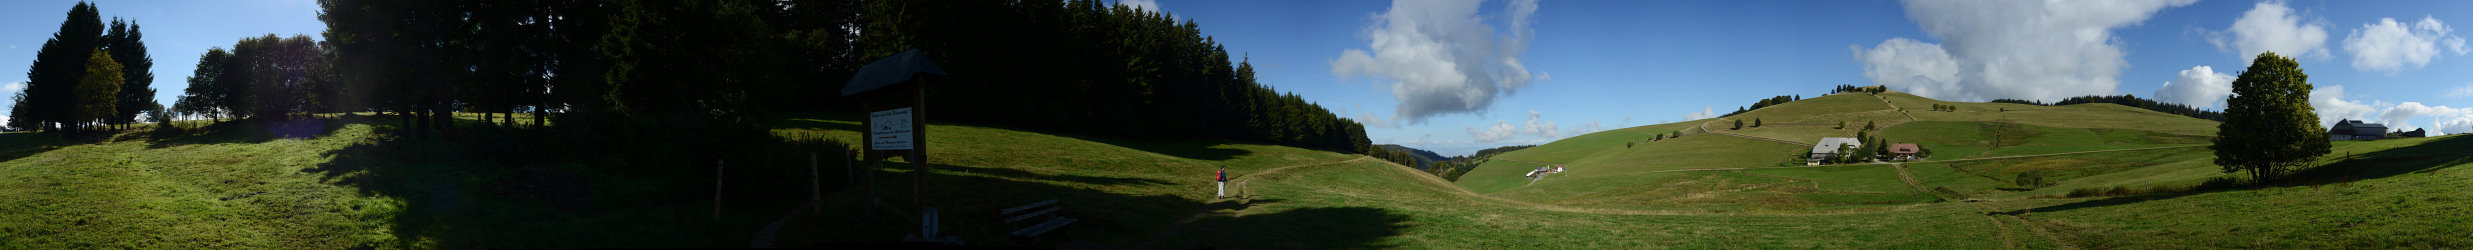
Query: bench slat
1028,207
1044,227
1051,209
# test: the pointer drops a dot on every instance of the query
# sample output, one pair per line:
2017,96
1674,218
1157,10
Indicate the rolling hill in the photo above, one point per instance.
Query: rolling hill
1424,158
2122,178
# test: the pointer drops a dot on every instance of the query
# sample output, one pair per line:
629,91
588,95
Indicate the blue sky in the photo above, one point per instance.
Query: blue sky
1441,76
176,32
1597,65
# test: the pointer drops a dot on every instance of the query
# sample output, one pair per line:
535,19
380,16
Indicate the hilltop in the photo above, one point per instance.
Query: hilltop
2128,179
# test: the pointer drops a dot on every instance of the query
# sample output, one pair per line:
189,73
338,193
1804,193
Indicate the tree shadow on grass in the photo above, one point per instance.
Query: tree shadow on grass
1018,173
22,144
2436,154
1191,149
1301,228
249,131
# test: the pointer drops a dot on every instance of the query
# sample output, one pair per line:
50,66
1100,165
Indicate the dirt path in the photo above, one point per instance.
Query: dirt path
1894,106
1704,127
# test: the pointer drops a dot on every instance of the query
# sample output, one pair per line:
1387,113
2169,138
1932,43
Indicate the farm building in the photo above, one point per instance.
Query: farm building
2355,130
1904,151
1828,147
2417,133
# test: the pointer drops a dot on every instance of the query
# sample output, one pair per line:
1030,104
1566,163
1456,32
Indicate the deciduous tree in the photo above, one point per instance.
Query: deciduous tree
2269,127
99,92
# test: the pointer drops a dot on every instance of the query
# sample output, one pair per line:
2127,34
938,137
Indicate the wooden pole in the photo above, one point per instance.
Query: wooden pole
717,167
815,185
918,141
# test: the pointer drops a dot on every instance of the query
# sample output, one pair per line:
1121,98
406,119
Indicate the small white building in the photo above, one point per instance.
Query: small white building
1828,147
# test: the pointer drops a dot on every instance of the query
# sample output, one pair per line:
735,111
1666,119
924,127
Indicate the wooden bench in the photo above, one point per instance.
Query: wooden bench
1017,215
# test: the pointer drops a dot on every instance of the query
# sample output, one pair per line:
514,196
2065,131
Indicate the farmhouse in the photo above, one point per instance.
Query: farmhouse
2355,130
1828,147
2417,133
1904,151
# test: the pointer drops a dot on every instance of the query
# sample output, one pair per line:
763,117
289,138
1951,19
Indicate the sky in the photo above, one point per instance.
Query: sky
1456,76
176,32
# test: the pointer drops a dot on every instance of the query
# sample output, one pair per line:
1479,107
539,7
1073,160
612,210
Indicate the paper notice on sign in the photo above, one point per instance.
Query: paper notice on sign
890,130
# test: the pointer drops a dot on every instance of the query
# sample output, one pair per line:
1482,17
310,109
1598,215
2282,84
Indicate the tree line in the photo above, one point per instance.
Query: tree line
87,74
1081,66
1764,103
1460,165
1092,67
2132,101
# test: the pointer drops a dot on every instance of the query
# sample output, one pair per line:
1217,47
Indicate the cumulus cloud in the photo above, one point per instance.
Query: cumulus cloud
2390,46
1535,127
2270,26
1150,5
1440,57
12,87
1539,128
1916,67
2041,50
2199,87
1499,132
2330,105
1705,113
2458,124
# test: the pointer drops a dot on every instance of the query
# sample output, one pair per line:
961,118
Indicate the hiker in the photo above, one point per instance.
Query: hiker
1223,182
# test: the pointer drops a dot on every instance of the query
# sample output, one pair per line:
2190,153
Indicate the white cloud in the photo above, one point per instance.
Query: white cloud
2199,87
1500,131
1705,113
12,87
2390,46
1149,5
1592,127
1539,128
2458,124
2461,92
2330,105
1440,57
1916,67
2041,50
2270,26
1374,121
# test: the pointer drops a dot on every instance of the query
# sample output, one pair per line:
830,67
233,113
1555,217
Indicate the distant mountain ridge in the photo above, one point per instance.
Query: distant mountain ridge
1424,158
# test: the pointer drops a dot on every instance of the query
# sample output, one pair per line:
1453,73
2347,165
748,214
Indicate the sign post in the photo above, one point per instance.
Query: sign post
896,127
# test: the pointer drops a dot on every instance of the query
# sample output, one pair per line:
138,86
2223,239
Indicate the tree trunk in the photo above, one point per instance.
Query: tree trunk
415,120
444,118
538,114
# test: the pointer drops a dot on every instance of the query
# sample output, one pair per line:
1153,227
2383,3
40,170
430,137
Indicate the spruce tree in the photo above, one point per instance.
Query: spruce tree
49,100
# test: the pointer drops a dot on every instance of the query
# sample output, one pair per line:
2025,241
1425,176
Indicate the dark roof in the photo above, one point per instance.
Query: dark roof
890,70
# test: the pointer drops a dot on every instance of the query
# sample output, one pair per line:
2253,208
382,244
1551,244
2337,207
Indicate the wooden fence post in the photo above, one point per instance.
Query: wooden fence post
815,185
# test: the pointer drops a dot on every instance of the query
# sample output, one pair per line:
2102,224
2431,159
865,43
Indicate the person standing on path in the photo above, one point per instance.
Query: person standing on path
1223,182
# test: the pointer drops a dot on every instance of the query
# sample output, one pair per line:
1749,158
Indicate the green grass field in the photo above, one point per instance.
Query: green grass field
339,182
